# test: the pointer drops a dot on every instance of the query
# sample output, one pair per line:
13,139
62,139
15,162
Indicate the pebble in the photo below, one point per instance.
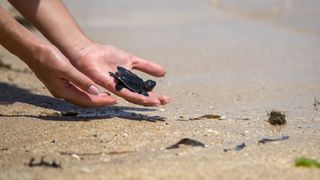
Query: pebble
162,110
106,160
75,156
212,131
85,170
181,154
223,117
105,137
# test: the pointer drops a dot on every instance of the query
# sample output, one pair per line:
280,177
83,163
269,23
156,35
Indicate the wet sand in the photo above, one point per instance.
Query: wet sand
221,58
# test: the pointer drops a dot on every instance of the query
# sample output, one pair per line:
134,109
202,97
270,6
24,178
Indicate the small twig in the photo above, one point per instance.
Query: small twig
265,140
96,153
236,148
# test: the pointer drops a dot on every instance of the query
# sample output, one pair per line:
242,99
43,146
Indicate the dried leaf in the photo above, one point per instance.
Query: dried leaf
43,162
207,116
236,148
186,141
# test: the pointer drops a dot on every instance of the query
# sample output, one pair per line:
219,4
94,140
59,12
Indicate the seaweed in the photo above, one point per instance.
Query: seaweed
236,148
306,162
276,118
265,140
186,141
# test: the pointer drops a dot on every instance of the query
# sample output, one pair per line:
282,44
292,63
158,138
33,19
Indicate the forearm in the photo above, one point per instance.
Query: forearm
56,23
16,39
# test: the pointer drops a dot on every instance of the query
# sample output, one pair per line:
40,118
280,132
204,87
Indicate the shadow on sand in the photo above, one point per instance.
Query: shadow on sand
10,94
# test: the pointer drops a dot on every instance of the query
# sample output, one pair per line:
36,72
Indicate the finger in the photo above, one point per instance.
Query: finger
162,98
81,80
138,98
79,97
148,67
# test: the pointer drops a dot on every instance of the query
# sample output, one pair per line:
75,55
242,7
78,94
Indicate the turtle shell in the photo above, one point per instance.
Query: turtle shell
129,79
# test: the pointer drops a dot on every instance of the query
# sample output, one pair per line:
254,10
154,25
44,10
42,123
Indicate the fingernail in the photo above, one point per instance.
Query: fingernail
93,90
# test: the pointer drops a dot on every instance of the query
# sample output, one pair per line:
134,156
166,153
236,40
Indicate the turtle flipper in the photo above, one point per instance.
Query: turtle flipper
149,85
119,86
144,93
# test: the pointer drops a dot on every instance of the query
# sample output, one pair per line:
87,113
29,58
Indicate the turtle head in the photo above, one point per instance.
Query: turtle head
112,74
121,69
149,85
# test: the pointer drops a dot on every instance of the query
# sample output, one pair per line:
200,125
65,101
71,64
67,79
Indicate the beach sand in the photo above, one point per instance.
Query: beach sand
239,61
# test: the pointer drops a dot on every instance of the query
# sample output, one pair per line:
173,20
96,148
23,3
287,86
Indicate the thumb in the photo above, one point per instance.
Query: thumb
82,81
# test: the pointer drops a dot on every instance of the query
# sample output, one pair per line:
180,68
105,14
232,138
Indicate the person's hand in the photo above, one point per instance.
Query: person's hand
96,61
64,81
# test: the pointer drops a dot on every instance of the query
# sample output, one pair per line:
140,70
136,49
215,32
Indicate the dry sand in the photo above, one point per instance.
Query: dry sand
222,57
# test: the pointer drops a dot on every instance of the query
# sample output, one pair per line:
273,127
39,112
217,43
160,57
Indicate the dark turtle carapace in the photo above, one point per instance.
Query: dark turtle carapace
129,80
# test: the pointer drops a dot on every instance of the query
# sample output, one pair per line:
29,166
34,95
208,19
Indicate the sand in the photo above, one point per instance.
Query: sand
238,61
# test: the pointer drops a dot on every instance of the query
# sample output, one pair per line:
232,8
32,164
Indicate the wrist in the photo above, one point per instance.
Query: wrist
35,53
75,47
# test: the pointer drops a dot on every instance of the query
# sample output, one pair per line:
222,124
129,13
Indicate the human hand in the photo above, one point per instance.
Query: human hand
96,61
64,81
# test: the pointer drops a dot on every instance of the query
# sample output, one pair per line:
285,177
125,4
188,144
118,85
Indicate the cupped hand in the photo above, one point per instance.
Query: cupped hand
64,81
96,61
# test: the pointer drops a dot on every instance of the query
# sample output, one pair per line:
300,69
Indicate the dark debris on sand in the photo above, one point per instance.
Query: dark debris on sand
5,66
316,104
277,118
4,149
69,113
207,116
96,153
186,141
236,148
44,163
265,140
203,117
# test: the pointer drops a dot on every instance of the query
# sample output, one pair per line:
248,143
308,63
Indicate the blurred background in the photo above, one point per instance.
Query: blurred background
294,14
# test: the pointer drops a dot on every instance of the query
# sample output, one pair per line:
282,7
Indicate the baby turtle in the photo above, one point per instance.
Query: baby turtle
129,80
